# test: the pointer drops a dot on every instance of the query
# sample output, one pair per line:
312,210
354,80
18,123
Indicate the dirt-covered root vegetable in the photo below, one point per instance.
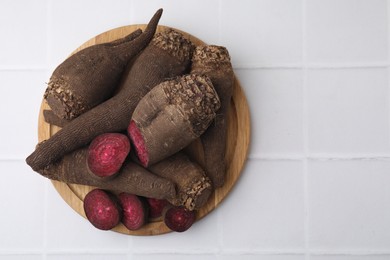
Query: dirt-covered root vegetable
90,76
168,55
193,186
156,207
178,219
214,61
106,154
131,178
171,116
102,209
135,211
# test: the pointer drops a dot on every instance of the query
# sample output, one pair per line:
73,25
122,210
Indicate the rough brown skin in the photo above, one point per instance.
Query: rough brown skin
107,153
193,186
168,55
178,219
102,209
135,211
132,178
90,76
214,61
171,116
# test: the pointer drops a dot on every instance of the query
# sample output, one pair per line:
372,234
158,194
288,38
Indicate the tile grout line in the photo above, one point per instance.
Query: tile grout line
305,110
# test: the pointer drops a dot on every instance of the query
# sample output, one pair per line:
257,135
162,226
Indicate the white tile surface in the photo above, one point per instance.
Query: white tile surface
348,111
86,256
173,257
23,31
71,23
275,103
192,15
23,91
348,257
316,75
349,205
261,257
262,32
347,30
266,208
21,257
22,214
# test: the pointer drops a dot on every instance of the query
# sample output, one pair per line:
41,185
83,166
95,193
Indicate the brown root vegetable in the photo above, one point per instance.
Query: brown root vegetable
102,209
168,55
131,178
156,207
214,61
171,116
135,212
90,76
106,154
178,219
193,186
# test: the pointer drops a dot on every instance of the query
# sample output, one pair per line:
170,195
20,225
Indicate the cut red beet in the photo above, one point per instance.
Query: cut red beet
156,207
139,143
178,219
102,210
135,212
106,153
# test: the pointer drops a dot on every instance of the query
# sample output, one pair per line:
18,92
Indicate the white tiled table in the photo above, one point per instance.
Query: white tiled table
317,182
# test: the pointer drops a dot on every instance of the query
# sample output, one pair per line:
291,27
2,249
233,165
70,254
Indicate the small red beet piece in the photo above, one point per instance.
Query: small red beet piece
106,153
138,142
135,211
178,219
101,209
156,207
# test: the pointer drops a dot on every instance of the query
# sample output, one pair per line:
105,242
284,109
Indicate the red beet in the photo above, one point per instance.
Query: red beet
106,153
102,210
178,219
156,207
135,212
139,143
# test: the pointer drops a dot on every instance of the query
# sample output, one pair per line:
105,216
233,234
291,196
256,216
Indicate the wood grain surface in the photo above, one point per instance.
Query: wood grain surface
236,154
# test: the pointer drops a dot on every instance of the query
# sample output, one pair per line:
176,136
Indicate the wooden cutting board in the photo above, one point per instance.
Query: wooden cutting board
236,154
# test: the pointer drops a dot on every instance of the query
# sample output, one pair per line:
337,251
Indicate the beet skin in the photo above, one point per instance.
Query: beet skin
135,212
102,210
156,207
178,219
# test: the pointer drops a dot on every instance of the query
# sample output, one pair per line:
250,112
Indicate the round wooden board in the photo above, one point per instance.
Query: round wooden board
237,145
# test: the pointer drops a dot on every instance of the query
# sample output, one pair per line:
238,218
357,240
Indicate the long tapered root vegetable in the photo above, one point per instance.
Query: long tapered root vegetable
168,55
90,76
135,211
193,186
214,61
171,116
102,209
106,154
178,219
131,178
